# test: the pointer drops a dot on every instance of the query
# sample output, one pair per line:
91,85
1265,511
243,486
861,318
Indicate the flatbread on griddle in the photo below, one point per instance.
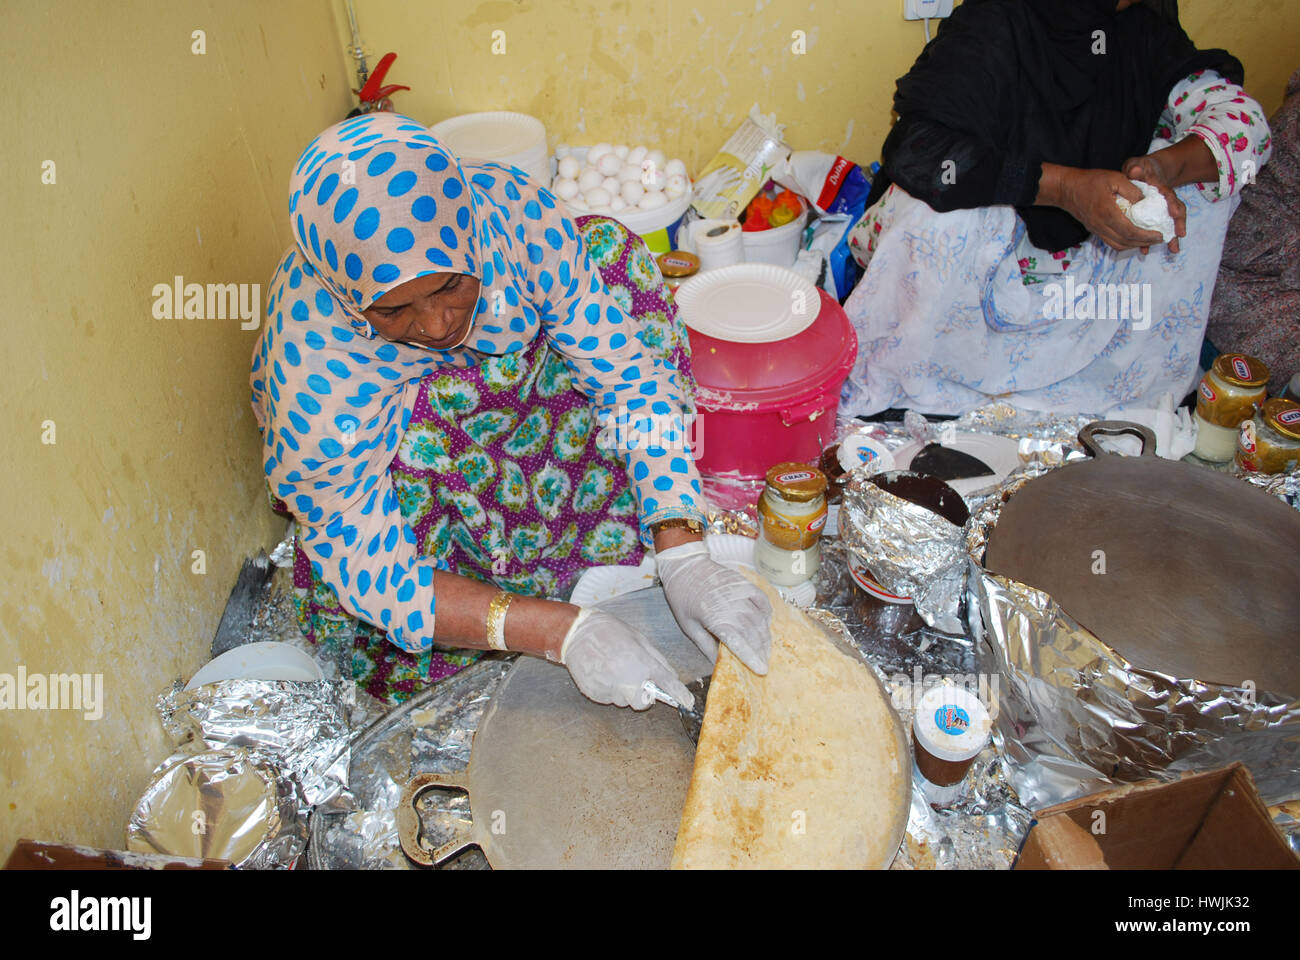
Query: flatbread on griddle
802,768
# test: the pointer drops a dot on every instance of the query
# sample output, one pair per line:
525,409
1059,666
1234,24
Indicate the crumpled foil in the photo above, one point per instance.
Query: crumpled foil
1077,717
301,727
910,550
985,826
229,804
430,733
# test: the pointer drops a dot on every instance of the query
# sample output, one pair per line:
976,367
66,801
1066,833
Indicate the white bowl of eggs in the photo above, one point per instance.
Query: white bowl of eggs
637,186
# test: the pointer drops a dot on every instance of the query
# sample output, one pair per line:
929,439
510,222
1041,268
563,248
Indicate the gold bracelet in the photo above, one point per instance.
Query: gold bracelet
682,523
496,620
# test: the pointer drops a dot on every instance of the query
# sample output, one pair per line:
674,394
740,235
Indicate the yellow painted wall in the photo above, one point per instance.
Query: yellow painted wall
166,163
682,73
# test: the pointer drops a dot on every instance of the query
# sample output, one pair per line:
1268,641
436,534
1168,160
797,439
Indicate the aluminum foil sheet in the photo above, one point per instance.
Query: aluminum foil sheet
301,727
910,550
229,804
1077,717
431,733
985,826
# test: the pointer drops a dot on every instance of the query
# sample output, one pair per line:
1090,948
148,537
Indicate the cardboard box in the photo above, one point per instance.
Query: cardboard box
1212,820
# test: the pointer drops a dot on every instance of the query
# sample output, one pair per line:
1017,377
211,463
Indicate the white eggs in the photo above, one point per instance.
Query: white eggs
652,178
632,191
618,178
568,167
609,165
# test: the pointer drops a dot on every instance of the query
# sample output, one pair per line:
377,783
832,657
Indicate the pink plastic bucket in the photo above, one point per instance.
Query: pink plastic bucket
762,403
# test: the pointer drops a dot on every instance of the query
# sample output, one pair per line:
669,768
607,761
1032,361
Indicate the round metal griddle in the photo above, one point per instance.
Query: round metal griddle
1201,571
557,781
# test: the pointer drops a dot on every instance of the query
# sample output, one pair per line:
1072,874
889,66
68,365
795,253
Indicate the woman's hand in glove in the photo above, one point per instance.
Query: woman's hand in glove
610,662
712,604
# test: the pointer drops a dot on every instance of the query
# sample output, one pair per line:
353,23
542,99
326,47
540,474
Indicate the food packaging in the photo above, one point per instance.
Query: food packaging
950,728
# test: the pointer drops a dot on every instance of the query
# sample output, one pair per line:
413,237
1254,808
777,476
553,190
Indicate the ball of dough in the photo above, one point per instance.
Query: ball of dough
657,158
620,150
595,197
589,180
675,167
596,152
612,185
632,191
675,187
629,172
652,200
617,204
568,168
653,179
564,188
609,165
636,155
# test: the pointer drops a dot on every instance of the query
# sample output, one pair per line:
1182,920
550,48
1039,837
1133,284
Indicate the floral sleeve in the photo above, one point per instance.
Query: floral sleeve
1230,123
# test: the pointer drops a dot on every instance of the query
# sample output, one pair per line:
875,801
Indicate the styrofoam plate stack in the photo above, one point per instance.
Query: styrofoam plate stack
514,139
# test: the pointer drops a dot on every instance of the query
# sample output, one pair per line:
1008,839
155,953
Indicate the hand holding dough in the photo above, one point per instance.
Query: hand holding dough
1151,212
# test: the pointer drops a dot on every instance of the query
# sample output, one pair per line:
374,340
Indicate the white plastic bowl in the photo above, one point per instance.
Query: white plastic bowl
515,139
778,245
265,660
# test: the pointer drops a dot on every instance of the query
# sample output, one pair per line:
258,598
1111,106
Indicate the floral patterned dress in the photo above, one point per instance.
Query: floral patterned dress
502,473
956,309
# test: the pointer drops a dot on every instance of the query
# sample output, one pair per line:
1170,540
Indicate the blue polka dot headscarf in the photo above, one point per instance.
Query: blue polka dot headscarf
376,201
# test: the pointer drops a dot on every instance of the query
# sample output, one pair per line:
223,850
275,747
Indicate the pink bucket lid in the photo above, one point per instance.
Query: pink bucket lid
759,376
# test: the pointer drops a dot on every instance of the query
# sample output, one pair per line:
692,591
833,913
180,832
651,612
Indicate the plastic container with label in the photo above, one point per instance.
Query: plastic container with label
949,730
1226,398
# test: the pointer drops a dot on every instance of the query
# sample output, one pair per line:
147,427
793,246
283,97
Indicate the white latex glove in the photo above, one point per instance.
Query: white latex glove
712,604
610,662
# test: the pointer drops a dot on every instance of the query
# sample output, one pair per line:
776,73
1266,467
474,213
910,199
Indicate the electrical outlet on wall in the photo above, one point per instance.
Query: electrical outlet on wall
921,9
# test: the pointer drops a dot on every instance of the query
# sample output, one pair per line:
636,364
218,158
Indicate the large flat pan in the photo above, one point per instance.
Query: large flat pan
1184,571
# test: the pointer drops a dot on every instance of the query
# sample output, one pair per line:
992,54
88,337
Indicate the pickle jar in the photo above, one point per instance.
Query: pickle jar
1269,442
1226,398
791,514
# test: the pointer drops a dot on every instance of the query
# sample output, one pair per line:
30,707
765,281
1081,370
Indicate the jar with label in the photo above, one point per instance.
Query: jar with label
678,266
1226,398
791,514
1269,442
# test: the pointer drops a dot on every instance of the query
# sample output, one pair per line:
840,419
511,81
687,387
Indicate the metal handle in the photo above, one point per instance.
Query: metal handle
811,410
408,821
1115,428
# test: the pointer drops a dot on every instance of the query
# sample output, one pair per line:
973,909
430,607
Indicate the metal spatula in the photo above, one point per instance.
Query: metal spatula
692,718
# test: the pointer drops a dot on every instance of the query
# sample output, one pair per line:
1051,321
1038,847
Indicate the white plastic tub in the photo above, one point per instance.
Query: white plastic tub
515,139
778,245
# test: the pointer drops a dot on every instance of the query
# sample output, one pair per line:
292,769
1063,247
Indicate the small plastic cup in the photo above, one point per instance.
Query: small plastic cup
949,730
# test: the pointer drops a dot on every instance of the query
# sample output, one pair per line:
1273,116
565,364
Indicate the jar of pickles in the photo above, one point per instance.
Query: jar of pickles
1269,442
1226,398
791,513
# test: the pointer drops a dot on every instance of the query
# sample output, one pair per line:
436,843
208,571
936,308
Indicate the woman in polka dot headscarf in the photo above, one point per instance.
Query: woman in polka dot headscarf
445,384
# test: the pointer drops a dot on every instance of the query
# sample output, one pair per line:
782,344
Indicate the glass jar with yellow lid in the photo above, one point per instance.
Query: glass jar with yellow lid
1226,398
1269,442
791,513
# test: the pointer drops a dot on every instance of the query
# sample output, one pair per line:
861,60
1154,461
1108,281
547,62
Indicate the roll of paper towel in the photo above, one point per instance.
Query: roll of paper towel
718,243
